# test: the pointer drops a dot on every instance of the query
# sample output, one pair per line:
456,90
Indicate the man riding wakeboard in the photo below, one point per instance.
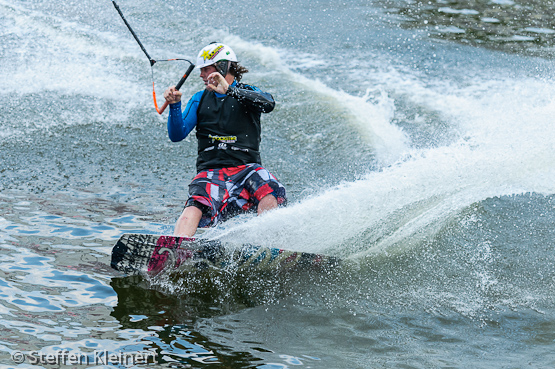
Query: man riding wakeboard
230,177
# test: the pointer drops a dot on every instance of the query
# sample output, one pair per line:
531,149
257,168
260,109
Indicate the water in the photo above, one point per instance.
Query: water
415,141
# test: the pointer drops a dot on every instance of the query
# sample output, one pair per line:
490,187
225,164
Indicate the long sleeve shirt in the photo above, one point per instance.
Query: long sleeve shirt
180,124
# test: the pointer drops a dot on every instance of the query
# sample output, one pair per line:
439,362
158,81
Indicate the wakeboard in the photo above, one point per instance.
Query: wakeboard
150,254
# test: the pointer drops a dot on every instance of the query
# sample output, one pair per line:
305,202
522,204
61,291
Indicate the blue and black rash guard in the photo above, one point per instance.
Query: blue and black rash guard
228,126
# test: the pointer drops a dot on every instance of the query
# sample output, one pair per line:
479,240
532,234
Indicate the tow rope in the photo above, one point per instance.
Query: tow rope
152,62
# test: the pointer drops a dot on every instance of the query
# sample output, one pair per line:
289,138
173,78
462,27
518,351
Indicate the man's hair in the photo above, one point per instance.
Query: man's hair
237,70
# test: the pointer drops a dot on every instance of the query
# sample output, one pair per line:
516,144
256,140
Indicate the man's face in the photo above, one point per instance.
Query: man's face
205,72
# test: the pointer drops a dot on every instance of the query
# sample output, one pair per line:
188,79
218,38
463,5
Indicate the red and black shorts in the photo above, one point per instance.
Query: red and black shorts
222,193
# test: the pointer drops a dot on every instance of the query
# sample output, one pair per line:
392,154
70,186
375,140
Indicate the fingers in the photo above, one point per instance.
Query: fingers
214,79
216,88
215,76
169,93
217,83
172,95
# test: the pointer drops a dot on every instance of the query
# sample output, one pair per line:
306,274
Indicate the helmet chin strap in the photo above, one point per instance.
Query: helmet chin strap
222,67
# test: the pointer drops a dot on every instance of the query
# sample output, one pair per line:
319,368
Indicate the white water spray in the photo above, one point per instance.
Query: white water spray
506,148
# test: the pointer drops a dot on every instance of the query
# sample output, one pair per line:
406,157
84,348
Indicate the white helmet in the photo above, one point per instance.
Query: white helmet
214,53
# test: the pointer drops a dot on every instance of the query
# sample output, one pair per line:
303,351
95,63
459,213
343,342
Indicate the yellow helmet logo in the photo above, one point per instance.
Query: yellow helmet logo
207,54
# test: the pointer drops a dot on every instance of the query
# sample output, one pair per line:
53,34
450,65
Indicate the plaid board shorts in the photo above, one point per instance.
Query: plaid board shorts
223,193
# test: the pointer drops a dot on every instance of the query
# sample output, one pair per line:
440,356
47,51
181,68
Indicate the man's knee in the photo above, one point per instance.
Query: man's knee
268,202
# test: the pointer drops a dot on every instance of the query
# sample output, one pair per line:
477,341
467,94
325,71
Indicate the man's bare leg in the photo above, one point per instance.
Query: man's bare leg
268,202
187,223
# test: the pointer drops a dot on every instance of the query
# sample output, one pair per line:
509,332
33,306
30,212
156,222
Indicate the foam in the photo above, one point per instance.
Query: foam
372,118
505,148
